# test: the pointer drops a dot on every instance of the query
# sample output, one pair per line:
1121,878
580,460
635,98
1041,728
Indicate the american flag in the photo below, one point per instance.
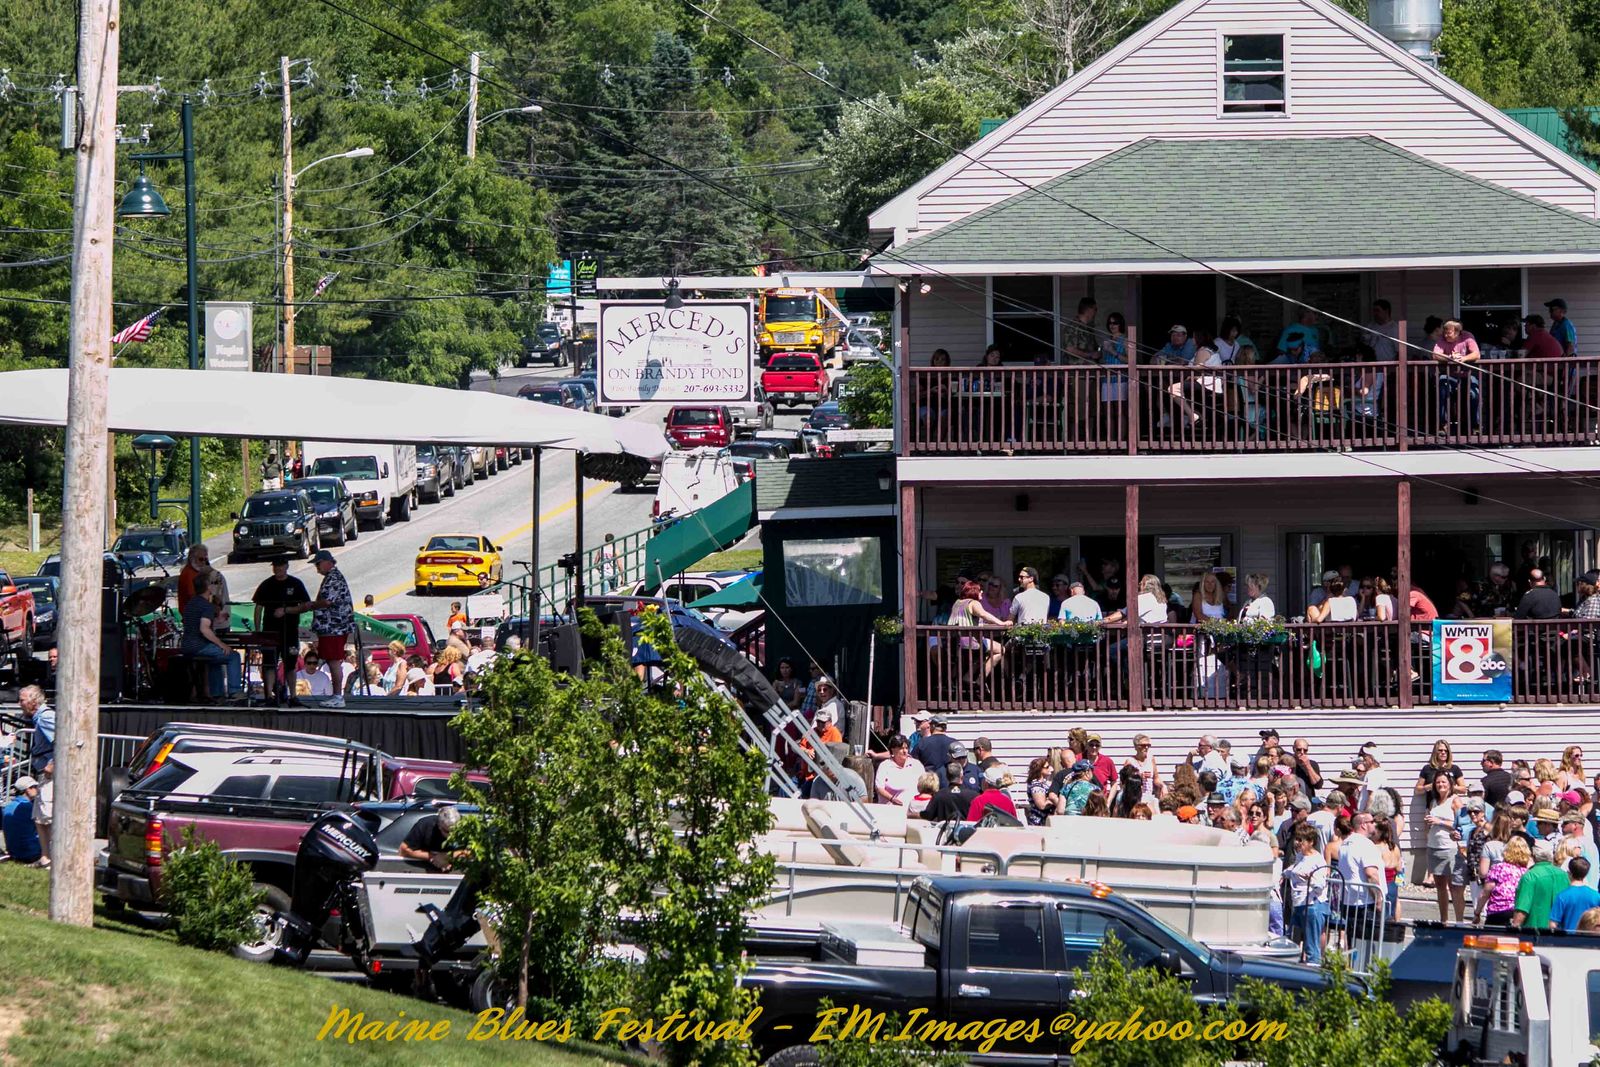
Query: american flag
139,331
323,283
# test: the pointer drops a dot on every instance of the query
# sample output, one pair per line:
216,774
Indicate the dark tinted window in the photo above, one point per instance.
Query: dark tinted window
1083,932
44,594
165,779
250,786
1010,939
271,507
792,363
316,790
694,417
434,789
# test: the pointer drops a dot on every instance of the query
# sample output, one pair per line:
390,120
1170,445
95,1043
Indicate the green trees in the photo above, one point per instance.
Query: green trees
620,814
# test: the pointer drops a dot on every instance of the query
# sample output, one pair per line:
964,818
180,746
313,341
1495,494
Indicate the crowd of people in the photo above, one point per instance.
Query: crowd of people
1514,844
1358,391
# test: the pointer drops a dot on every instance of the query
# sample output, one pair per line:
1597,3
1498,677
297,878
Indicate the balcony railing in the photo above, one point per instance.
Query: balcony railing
1272,408
1331,665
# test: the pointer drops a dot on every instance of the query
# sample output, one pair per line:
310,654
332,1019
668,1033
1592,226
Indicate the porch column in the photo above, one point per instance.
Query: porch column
1402,593
1134,400
910,597
1402,397
1130,588
902,370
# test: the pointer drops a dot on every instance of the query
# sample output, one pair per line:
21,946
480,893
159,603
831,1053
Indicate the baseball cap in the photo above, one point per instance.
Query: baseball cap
1590,577
1556,303
938,720
1474,787
826,715
1081,766
416,674
1095,737
958,750
1572,816
994,774
1239,760
25,782
921,716
1300,803
1179,328
1187,812
1329,576
322,555
1268,732
1515,797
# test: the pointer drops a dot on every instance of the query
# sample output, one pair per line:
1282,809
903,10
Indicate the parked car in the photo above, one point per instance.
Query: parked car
168,543
795,377
547,345
436,473
971,947
282,520
700,426
419,638
583,392
17,618
691,480
45,591
861,344
690,586
382,478
796,442
458,561
548,393
335,507
753,448
757,414
829,416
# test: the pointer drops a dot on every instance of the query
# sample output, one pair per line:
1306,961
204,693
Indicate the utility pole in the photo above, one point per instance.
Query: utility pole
288,222
83,506
472,106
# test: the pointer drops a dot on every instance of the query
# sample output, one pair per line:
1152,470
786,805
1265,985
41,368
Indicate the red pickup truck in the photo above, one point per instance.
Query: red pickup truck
257,810
16,619
794,377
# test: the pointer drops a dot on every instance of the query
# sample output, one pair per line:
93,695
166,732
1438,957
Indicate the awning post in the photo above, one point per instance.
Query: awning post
577,506
533,563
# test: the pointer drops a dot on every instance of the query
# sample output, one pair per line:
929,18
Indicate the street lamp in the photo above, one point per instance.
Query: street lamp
474,124
286,221
153,447
143,202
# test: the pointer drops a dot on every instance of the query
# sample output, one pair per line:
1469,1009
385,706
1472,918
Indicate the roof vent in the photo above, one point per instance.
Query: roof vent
1412,24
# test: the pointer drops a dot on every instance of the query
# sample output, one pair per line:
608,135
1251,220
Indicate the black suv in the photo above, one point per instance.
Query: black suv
545,344
335,508
436,472
282,520
168,543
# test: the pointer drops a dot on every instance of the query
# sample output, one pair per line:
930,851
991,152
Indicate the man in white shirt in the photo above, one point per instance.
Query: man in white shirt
1031,604
1361,867
1205,757
316,675
1383,333
1080,607
896,780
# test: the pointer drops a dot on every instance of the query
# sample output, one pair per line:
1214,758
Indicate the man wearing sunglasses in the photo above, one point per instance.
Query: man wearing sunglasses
1305,768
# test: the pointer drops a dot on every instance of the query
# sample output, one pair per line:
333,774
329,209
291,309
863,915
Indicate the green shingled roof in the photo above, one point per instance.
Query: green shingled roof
1247,198
848,481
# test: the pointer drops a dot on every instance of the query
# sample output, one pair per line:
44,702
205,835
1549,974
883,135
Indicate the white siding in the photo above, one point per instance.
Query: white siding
1339,85
952,315
1406,738
1580,288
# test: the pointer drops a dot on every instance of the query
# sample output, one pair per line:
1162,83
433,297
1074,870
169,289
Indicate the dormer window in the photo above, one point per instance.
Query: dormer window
1254,75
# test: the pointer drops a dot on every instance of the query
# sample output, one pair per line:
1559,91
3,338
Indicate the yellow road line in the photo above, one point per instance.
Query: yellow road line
555,512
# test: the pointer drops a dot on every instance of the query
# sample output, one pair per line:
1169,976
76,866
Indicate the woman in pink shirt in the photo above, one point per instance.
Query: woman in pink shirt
1455,350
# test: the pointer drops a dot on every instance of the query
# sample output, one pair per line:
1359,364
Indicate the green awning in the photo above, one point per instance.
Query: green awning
373,631
745,593
698,534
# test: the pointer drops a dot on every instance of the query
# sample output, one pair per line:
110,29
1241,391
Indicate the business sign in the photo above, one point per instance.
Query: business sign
697,353
227,335
586,273
559,280
1472,661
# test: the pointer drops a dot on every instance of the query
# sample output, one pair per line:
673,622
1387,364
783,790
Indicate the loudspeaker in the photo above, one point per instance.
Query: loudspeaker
562,648
112,669
616,618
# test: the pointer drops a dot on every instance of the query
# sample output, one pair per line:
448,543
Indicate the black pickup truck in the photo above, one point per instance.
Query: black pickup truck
976,950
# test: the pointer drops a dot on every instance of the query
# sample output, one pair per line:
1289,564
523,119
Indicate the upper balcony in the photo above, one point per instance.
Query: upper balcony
1317,407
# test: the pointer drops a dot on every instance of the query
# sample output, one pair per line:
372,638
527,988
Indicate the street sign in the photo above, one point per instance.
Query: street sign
559,281
227,335
586,272
1472,661
697,353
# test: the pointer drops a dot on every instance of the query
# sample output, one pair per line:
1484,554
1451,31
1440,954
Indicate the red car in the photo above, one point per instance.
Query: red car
700,427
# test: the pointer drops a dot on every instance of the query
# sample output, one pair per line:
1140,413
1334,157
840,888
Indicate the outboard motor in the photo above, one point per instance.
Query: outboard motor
336,850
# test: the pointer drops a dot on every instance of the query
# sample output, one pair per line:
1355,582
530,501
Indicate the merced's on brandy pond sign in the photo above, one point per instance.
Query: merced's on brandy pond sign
695,354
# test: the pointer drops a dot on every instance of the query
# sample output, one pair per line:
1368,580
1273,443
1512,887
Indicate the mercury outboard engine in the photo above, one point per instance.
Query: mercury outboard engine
335,852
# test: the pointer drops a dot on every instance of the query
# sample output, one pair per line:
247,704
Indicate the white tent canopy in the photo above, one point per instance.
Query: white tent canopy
301,407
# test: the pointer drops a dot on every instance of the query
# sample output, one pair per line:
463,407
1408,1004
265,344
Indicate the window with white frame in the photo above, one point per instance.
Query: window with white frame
1255,76
1024,318
1491,299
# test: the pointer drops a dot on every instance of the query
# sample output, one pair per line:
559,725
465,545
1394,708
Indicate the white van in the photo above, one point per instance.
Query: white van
382,478
691,480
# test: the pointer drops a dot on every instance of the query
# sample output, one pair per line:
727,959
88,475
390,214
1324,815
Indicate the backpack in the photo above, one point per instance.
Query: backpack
1384,801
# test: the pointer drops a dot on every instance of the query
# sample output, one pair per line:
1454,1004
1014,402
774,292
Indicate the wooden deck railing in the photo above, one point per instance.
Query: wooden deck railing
1331,665
1271,408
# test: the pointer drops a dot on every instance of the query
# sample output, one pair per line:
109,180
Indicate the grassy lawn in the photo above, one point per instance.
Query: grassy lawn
121,994
735,559
14,555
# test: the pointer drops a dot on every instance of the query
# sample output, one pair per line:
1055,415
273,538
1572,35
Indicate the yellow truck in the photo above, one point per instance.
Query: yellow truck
799,320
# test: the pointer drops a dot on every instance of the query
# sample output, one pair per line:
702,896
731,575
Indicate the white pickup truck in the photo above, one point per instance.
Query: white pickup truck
382,478
1534,1003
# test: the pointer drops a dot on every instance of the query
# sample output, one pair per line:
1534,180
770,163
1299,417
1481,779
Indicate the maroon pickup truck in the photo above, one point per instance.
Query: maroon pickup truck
16,619
255,803
795,377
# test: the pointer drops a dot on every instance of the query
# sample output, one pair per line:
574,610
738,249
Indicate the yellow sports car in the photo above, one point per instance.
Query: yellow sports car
457,561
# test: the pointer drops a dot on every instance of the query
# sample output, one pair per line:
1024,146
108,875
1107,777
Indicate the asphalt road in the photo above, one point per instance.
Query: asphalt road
380,562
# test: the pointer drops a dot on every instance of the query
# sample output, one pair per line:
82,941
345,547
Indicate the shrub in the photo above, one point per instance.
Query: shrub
211,898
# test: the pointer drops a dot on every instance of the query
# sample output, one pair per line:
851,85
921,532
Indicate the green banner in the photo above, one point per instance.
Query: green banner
698,534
